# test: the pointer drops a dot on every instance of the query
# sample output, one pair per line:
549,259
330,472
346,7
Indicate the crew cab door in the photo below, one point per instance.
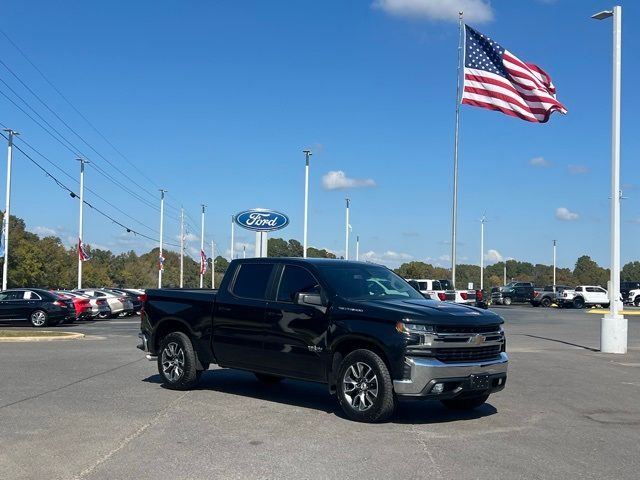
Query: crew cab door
296,334
239,322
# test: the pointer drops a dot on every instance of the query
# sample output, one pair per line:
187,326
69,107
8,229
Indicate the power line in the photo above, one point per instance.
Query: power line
74,195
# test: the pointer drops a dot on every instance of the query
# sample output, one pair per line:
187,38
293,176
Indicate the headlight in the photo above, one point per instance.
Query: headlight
404,327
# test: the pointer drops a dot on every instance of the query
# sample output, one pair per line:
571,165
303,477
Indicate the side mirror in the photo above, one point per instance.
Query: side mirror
311,299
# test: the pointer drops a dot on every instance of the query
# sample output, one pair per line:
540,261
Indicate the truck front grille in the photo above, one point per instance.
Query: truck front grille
451,355
478,329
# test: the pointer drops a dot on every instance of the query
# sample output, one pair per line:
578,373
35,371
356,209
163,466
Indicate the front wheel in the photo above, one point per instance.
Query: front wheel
177,362
465,403
507,301
636,301
545,302
578,302
365,389
39,318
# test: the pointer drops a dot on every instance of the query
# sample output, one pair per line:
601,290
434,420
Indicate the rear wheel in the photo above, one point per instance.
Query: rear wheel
365,390
267,379
545,302
578,302
177,362
605,305
39,318
506,301
465,403
636,301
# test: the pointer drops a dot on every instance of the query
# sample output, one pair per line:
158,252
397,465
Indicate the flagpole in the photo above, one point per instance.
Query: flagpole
346,247
233,221
202,264
80,223
7,214
307,154
160,266
454,219
213,265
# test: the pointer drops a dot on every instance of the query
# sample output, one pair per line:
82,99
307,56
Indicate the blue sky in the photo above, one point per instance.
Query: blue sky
215,101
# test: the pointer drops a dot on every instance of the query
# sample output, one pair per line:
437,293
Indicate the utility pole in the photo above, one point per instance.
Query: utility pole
357,248
614,327
203,258
554,266
181,247
482,222
505,272
307,154
80,222
7,210
346,248
244,251
160,257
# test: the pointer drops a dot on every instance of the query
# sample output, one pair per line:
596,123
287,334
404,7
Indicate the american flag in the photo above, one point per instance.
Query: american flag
161,263
203,262
82,254
496,79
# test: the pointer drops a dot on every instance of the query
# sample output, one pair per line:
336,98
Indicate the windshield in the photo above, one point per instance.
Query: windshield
367,282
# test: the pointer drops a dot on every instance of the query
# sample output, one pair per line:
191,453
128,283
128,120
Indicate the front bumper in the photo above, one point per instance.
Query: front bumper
459,379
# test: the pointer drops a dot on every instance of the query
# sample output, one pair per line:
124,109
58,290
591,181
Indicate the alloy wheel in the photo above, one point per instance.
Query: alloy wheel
173,362
38,318
360,386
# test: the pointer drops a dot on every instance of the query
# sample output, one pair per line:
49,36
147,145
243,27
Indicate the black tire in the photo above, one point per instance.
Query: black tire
545,302
465,403
39,319
506,301
636,301
267,379
578,302
374,402
605,305
177,362
103,315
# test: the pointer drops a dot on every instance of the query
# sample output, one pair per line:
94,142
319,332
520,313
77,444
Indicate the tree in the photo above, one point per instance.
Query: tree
221,264
630,272
587,272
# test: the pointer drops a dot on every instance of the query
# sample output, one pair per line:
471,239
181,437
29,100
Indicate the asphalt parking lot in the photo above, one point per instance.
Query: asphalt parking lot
93,409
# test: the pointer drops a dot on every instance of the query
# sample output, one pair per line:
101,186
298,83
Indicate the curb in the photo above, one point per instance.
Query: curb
621,312
66,336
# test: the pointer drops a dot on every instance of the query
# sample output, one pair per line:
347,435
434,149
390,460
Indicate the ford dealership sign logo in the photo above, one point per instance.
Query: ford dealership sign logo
262,220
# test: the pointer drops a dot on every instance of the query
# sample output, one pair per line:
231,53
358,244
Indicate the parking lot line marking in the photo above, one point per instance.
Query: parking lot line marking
623,312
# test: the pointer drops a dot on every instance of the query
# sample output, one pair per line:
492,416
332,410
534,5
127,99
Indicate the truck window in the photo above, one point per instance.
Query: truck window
295,280
252,280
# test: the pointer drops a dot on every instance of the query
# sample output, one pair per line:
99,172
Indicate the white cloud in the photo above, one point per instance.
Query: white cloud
46,231
337,180
476,11
389,258
539,162
566,215
493,256
578,169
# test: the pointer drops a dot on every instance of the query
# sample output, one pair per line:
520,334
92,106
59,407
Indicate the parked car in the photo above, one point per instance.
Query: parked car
431,289
546,296
98,305
582,296
318,320
117,303
81,304
135,298
512,292
626,287
634,297
39,307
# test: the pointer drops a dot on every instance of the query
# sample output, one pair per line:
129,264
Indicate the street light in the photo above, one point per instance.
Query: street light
613,329
307,154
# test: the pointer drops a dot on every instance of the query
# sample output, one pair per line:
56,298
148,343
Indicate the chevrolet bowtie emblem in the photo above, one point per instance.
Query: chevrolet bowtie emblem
477,339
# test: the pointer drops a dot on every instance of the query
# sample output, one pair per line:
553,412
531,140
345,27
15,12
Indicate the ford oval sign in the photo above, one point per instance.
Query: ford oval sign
262,220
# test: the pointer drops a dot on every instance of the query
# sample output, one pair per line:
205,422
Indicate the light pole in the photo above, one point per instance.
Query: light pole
160,258
7,214
357,248
307,154
213,265
181,247
203,258
482,222
80,221
613,329
554,266
346,248
233,222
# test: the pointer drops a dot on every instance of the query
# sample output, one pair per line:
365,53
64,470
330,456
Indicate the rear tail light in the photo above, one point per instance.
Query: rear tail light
464,295
60,303
442,296
479,295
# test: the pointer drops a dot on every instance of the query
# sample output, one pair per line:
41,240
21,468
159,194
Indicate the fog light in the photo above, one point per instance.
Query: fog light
438,388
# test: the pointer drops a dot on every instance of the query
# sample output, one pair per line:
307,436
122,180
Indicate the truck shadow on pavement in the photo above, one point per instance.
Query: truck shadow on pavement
316,396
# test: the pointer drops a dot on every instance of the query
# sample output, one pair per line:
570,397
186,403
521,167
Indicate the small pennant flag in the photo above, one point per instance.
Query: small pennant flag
161,263
203,262
82,254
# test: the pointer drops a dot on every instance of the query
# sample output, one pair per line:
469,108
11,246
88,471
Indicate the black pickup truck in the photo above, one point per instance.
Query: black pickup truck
357,327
